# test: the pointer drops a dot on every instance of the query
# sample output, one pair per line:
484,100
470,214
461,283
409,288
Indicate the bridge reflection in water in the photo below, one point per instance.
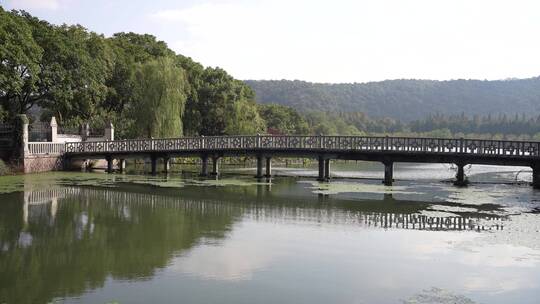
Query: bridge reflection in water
263,208
80,236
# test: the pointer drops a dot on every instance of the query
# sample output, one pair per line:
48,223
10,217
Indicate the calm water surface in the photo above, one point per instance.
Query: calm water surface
98,238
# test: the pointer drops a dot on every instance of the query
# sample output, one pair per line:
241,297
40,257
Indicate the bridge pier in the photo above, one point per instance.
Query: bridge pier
84,166
122,165
259,167
166,165
536,177
109,160
321,169
215,166
327,169
153,164
268,167
388,173
204,166
460,176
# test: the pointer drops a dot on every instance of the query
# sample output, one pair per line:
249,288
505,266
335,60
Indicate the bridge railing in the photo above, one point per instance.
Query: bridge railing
46,148
343,143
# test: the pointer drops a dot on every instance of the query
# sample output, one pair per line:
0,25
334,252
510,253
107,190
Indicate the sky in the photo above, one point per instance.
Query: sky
326,41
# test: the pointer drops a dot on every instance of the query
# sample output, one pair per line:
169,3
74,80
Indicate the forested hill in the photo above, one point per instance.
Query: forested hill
405,99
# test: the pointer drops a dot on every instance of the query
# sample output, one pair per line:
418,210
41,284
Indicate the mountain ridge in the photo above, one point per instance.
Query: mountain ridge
405,99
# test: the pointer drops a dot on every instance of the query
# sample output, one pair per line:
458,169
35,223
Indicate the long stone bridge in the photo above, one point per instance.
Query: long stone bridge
387,150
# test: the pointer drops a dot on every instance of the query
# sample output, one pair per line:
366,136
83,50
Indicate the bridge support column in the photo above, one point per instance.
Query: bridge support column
327,169
215,166
536,177
122,165
321,169
85,165
259,167
166,165
109,160
460,176
388,173
268,167
204,166
153,163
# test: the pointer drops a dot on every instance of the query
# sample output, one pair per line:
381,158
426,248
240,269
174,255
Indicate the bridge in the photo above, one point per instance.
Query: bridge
387,150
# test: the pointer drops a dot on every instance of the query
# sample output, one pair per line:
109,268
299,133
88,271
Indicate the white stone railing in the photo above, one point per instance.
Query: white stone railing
58,140
44,148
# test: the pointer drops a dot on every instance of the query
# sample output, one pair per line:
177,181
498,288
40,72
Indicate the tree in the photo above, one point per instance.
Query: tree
61,68
217,106
244,119
160,99
283,120
19,64
192,116
128,50
75,67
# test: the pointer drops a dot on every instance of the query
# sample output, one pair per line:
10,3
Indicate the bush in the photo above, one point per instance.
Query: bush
4,169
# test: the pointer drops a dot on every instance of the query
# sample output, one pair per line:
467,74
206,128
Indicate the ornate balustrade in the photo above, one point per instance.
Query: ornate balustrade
311,143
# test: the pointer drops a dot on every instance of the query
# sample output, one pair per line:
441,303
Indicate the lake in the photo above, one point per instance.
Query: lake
134,238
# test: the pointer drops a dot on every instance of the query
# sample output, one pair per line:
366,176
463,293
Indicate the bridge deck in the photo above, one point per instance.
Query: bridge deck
399,149
324,148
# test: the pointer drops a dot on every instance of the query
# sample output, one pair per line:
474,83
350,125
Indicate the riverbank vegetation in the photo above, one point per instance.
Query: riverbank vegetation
147,90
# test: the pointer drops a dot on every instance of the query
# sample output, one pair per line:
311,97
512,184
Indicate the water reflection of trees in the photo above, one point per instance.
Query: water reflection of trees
92,235
63,241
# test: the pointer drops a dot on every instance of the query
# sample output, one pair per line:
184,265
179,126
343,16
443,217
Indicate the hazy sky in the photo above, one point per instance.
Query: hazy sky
327,41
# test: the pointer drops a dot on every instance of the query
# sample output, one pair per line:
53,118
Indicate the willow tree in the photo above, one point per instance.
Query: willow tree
160,99
243,118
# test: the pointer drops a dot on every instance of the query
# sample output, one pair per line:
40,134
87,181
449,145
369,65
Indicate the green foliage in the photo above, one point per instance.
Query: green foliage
518,124
78,63
194,73
405,100
129,49
244,118
321,123
71,65
160,99
520,127
283,120
222,100
19,63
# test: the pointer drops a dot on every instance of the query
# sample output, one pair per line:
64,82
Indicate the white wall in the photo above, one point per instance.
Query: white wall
62,138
